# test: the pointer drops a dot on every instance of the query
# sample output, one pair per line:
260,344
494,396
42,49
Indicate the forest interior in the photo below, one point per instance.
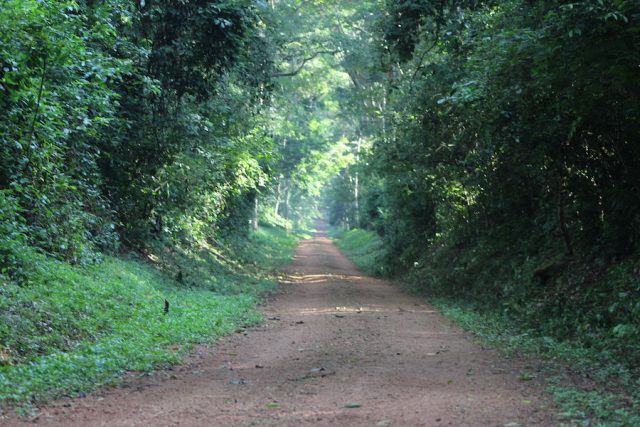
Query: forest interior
161,161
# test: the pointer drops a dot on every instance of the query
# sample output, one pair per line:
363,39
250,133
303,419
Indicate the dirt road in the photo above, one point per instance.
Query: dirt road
339,349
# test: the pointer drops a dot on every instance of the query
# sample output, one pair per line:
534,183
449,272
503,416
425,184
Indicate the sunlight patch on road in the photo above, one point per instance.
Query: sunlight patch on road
318,278
357,309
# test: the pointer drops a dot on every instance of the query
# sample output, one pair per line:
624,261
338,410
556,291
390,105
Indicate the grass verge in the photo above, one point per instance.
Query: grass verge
590,386
363,247
588,390
70,329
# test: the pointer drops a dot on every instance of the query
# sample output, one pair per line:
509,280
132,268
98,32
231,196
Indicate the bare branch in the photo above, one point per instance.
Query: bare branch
436,39
426,51
304,62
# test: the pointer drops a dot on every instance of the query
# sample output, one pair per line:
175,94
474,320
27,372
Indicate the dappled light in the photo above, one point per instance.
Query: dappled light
168,166
358,310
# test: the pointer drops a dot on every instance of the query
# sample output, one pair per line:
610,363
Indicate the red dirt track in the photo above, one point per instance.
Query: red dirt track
339,349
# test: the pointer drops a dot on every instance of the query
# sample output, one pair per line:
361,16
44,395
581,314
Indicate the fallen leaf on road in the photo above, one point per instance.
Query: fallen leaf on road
352,405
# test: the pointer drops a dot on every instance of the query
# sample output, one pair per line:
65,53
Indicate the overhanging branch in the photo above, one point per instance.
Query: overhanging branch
304,62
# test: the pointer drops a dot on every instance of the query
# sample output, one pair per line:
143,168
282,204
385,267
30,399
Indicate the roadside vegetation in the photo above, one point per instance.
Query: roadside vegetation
363,247
498,165
491,146
592,383
71,329
141,146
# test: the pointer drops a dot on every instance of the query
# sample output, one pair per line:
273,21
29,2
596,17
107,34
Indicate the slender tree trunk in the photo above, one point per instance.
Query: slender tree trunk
383,115
562,222
278,196
356,203
280,178
287,199
36,110
356,186
256,213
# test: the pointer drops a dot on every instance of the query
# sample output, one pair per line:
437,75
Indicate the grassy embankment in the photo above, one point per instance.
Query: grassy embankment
69,329
592,383
363,247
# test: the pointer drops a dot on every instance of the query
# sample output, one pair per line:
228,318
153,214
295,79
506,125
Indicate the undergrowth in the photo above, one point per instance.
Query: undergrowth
68,329
593,372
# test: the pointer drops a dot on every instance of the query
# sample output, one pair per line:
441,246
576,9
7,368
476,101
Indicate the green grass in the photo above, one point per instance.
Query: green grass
590,384
363,247
276,247
71,329
606,394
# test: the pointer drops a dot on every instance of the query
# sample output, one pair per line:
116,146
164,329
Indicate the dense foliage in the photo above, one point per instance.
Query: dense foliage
125,120
505,167
77,327
131,126
492,145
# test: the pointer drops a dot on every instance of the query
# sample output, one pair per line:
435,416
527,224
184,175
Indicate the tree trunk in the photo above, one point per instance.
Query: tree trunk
356,187
256,213
562,222
383,115
278,195
287,198
356,203
36,111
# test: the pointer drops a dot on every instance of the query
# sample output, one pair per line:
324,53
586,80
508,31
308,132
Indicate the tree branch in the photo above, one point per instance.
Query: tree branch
38,100
436,39
426,51
304,62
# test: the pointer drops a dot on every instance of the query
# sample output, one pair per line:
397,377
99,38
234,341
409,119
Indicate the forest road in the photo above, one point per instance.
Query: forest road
338,349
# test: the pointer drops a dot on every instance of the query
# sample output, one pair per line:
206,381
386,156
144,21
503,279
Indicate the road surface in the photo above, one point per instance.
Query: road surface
338,349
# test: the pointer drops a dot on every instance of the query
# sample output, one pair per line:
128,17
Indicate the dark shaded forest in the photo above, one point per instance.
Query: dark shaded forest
504,166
